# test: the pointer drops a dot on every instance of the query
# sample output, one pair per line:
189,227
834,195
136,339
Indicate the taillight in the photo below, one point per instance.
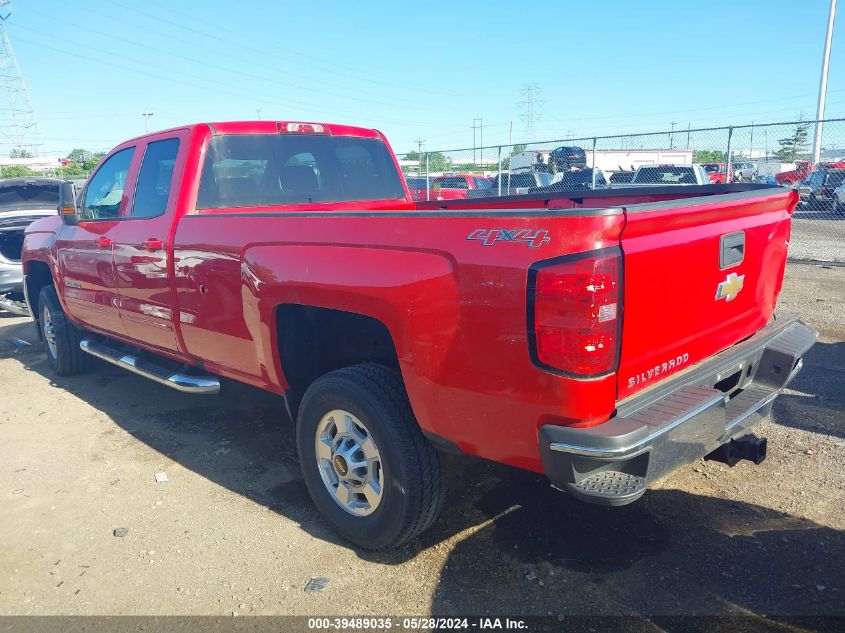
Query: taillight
575,313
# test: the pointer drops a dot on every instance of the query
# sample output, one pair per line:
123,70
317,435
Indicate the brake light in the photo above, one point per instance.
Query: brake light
302,128
576,314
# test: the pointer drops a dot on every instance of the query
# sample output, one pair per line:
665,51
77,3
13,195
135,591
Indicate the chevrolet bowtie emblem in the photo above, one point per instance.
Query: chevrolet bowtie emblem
730,288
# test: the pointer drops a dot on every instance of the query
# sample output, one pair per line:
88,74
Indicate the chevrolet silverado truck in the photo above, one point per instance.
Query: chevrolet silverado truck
601,337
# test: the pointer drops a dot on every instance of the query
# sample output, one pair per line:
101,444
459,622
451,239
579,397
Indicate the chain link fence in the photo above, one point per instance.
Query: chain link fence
773,153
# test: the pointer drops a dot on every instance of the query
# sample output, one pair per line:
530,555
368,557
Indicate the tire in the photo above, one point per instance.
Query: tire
60,336
408,469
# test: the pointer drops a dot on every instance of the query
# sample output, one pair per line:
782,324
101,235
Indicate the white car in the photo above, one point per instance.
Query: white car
22,201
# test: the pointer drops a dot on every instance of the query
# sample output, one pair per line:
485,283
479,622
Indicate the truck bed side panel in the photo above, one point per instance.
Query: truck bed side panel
455,307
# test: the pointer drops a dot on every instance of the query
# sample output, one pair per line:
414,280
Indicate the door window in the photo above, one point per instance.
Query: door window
154,180
105,191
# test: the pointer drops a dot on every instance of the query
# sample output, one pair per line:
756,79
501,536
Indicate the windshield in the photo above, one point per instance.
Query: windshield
415,183
20,194
835,178
447,182
669,175
518,180
253,170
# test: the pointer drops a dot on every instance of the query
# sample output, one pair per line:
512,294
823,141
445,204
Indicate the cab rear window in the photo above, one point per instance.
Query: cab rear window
276,169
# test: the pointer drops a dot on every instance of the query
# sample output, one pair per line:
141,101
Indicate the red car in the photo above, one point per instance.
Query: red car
603,339
457,186
802,171
716,172
418,189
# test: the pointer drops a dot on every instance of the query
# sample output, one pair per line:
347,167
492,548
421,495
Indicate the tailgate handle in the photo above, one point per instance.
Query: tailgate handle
732,249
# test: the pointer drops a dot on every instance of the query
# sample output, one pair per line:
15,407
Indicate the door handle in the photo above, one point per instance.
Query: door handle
103,242
153,244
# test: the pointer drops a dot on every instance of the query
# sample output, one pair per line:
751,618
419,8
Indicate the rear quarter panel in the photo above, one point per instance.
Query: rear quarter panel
455,308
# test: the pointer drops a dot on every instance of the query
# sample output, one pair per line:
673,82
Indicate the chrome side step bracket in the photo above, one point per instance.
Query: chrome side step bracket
181,382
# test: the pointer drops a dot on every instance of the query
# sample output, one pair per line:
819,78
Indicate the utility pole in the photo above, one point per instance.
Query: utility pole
17,118
147,114
258,113
672,135
475,126
688,126
817,142
751,143
420,142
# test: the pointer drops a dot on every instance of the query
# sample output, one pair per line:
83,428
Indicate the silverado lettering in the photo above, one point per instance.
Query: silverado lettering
290,256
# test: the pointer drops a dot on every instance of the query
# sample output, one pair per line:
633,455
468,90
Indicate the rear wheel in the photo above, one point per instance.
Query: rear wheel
365,462
61,337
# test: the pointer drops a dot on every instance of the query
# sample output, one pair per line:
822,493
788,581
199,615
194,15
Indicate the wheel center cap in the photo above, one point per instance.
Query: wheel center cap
340,465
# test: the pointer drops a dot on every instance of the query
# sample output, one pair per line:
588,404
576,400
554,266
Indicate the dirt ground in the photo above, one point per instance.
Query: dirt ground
233,530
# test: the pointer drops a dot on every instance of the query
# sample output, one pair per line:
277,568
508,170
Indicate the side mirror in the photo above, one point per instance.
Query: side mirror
67,208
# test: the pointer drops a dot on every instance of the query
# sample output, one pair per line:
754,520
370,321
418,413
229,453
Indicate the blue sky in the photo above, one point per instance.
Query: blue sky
420,70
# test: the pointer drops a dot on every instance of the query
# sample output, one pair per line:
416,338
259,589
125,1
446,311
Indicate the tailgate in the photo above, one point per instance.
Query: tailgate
700,275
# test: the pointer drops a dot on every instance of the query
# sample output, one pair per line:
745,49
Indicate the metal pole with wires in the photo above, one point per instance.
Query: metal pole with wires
817,141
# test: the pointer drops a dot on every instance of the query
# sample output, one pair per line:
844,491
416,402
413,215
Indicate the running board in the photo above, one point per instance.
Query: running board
147,369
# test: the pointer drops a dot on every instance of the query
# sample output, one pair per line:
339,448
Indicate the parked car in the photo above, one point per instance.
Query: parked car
744,171
574,180
802,171
667,175
417,187
22,201
817,190
621,177
568,157
456,186
512,184
716,172
838,207
291,257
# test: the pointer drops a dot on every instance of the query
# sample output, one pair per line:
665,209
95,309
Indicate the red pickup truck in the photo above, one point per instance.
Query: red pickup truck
601,337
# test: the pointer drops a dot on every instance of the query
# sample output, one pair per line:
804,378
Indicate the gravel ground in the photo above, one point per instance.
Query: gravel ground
817,235
232,531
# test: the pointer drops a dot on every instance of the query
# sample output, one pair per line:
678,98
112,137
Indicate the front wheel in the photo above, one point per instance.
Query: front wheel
60,336
365,462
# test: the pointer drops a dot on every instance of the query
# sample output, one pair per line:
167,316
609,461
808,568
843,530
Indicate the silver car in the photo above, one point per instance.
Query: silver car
22,201
838,206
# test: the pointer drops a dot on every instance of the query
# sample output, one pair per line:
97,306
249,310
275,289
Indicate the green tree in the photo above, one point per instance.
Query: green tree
437,161
79,155
91,163
792,147
19,152
17,171
708,156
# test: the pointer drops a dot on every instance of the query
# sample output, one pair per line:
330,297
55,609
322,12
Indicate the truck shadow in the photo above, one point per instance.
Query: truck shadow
515,545
816,399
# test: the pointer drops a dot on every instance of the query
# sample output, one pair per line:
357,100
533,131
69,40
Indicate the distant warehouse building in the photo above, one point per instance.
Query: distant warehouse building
611,160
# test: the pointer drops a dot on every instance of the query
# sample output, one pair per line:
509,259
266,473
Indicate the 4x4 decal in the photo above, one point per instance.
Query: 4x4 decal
534,238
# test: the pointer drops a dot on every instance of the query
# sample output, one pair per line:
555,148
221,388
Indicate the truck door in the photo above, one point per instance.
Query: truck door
141,244
85,251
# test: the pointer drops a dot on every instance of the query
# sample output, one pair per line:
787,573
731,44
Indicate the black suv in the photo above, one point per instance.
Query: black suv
568,157
817,189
